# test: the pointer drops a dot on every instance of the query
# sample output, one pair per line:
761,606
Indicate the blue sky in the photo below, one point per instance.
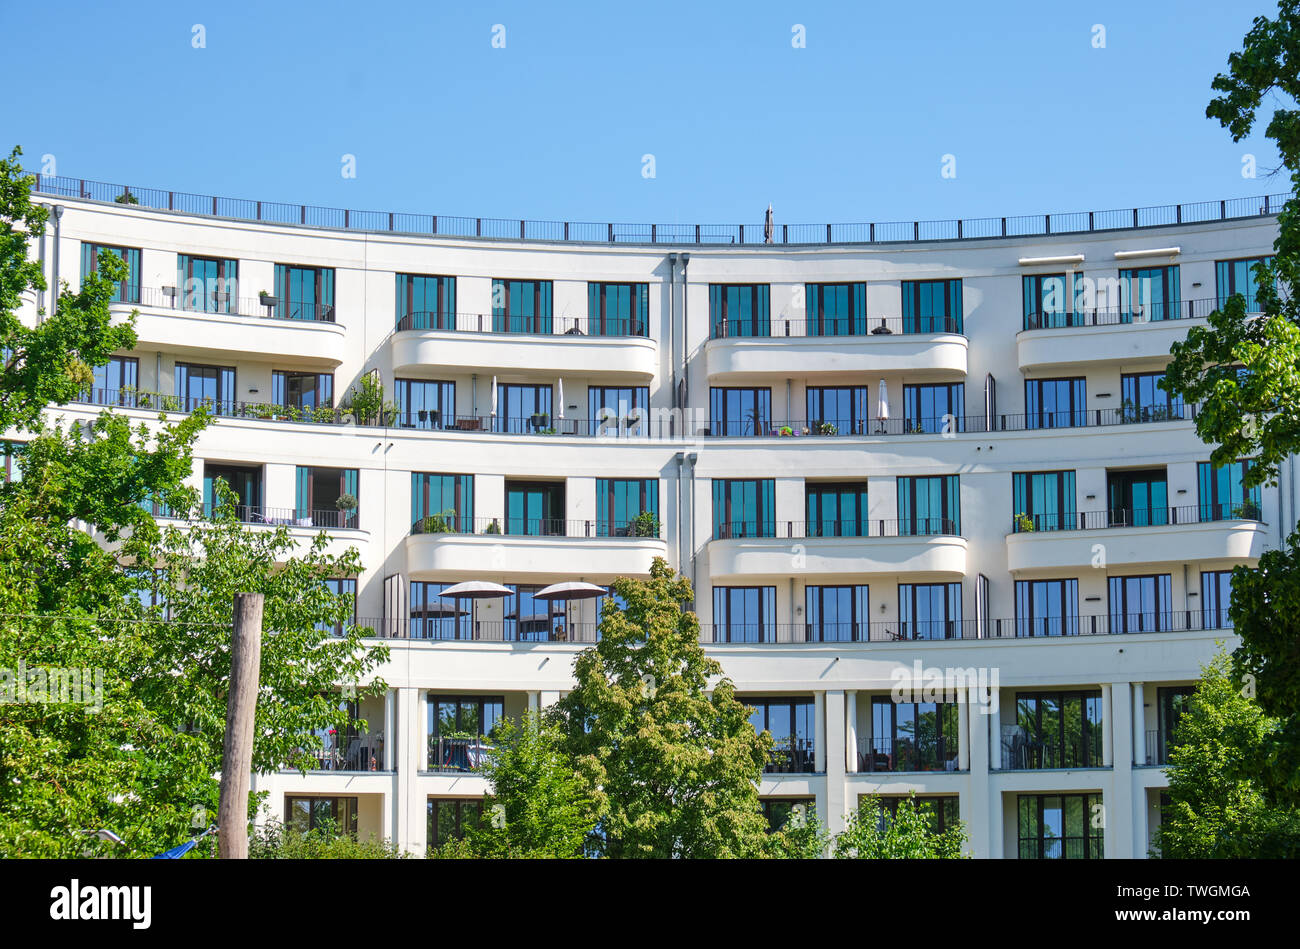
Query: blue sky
852,127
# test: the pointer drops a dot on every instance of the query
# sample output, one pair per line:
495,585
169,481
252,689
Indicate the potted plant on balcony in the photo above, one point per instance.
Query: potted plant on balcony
785,431
266,299
347,506
323,413
645,524
1024,523
169,403
441,523
493,528
827,428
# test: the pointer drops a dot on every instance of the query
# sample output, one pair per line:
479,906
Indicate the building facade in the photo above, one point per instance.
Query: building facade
940,463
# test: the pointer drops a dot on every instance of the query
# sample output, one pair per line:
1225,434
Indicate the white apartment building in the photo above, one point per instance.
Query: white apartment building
1026,504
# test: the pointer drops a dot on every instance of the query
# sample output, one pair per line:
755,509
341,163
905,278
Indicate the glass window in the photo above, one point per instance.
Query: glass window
837,410
929,611
912,736
523,409
426,302
1047,607
1045,498
1056,403
442,503
791,724
836,309
1141,604
207,284
1054,730
929,505
777,811
244,480
450,818
1173,702
318,493
739,309
944,812
1048,304
744,614
1061,827
305,814
302,390
1216,597
211,386
521,306
738,411
531,620
434,616
618,409
926,407
836,510
535,508
1152,293
116,382
126,291
932,306
1223,494
425,403
838,614
1142,399
304,293
1138,498
744,507
619,501
341,586
1238,276
618,309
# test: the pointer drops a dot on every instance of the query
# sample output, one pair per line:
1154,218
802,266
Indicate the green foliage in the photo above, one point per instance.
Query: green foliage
441,523
806,839
367,403
645,524
674,772
274,841
1024,523
906,835
1218,808
539,807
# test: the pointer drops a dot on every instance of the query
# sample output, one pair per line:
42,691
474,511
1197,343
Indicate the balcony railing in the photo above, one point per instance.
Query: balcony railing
534,527
792,756
358,751
1137,517
447,624
782,327
1158,747
1024,750
517,325
1071,222
886,754
946,630
294,517
871,527
220,303
458,754
1158,312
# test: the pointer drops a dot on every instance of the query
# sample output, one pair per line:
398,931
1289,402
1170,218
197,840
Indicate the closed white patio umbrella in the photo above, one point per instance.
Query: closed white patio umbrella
882,408
494,396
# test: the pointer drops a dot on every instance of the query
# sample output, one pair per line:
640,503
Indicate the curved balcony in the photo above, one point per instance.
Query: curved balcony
1183,535
566,550
932,556
1106,337
208,335
885,350
467,341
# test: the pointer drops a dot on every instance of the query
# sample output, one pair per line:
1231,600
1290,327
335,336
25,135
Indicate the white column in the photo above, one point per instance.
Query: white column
390,729
836,808
819,732
995,734
1139,724
1107,742
851,730
963,728
974,800
410,805
1117,792
534,702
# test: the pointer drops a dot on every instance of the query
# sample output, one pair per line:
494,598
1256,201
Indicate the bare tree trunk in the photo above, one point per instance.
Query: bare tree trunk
241,706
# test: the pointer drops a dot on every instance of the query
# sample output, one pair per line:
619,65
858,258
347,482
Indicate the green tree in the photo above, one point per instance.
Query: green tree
674,767
1244,369
1217,806
907,834
539,807
274,841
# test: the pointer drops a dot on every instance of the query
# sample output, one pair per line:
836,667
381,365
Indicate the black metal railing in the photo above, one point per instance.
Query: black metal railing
792,756
458,754
1071,222
448,624
1136,517
357,751
222,303
1158,746
535,526
294,517
886,754
1027,750
870,527
1150,312
834,327
518,325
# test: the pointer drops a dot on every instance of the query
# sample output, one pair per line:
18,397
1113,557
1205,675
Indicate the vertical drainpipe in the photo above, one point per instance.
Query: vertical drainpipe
686,377
681,533
672,332
58,217
690,487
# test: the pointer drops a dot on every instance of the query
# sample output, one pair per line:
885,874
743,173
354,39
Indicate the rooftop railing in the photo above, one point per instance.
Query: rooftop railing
1035,225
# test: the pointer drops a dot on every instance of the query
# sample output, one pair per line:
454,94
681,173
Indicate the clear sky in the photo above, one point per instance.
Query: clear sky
852,126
